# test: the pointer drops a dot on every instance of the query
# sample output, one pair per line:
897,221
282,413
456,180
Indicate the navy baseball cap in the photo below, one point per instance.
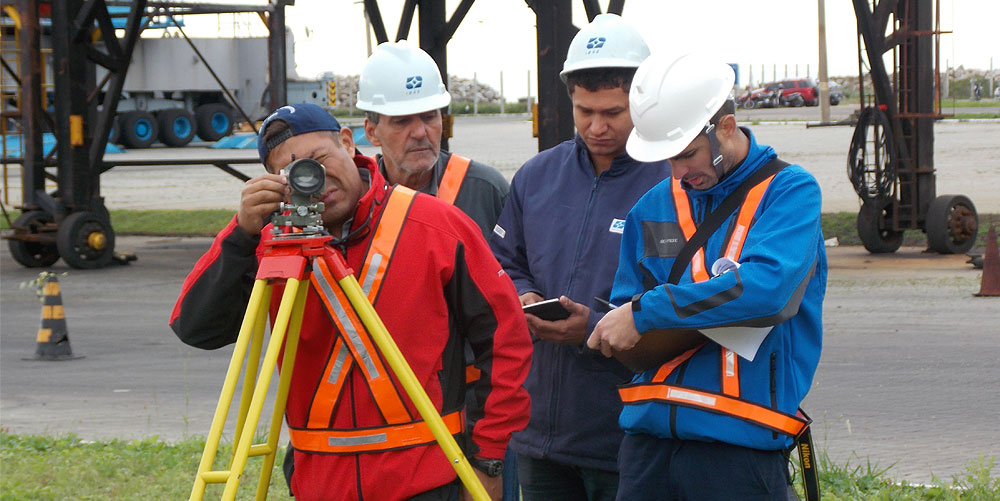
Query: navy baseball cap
301,118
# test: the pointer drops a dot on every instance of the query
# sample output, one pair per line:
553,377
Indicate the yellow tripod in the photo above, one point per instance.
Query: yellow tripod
288,260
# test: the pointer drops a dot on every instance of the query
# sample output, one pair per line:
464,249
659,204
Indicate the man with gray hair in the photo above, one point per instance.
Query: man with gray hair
402,94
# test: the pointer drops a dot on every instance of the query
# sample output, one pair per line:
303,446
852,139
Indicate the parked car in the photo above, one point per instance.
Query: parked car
836,94
794,92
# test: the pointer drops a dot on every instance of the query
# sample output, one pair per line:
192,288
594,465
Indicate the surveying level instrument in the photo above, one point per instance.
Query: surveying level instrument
297,251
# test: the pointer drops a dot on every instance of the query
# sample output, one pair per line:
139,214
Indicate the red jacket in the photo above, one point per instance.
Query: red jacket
443,287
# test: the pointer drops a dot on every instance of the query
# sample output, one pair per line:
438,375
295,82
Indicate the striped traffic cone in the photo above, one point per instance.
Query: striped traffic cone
991,266
53,336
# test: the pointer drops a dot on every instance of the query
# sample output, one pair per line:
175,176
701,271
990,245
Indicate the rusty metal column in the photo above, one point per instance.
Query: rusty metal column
32,170
277,64
73,74
432,24
919,63
555,109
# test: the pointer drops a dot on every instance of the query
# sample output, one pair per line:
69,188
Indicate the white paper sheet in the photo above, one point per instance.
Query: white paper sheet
744,341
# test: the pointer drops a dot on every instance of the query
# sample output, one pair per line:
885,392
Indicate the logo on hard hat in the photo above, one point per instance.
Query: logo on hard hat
414,82
596,43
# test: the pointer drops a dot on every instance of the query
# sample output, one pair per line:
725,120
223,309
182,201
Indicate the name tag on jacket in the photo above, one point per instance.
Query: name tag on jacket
662,238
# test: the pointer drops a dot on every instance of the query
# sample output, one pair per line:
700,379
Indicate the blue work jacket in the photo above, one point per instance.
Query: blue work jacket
559,234
781,282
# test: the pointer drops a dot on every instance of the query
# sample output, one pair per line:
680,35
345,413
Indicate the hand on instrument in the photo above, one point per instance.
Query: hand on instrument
571,330
261,197
616,330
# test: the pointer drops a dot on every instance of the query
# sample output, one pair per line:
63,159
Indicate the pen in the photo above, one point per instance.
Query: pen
605,302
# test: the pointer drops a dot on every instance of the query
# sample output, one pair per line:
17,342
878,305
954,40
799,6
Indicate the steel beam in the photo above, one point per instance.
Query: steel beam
115,79
277,65
73,76
433,21
555,110
33,194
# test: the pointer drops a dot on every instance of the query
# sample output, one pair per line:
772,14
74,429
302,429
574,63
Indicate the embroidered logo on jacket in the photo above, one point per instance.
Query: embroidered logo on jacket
617,226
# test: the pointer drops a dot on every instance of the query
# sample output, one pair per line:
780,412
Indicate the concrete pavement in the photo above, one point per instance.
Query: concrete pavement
906,378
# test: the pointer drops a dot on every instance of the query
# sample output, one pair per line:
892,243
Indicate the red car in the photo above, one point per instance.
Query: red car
795,92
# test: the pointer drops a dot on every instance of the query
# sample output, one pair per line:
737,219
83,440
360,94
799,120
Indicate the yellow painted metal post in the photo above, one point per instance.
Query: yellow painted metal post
253,360
388,348
284,382
281,323
260,290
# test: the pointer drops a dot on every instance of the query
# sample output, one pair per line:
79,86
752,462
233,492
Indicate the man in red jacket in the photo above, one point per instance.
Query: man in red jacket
438,288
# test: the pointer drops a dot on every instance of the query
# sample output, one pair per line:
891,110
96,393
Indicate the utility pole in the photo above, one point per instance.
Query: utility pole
824,84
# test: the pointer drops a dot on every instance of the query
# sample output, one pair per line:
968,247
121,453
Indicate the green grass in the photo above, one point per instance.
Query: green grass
974,116
842,225
65,467
946,104
161,222
867,480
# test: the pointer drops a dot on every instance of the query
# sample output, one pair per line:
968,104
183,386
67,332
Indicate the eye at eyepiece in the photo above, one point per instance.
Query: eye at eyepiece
306,176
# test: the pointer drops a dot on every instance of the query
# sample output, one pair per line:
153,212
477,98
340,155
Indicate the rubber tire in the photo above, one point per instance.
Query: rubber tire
834,101
115,134
72,240
139,129
938,225
177,126
33,254
876,240
797,102
215,121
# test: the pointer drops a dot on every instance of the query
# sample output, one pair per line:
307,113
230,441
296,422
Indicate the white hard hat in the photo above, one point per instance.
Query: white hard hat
401,79
607,42
671,102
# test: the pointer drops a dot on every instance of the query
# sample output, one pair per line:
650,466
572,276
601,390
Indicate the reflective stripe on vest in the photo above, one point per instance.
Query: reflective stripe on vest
354,346
451,181
727,400
371,439
714,402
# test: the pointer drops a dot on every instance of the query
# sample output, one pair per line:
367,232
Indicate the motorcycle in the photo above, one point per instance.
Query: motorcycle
793,99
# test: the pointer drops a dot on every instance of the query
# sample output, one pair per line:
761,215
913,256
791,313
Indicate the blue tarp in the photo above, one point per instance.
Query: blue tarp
249,141
13,144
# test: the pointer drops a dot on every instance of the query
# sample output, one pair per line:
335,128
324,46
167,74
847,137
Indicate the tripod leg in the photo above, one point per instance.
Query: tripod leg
284,381
281,323
366,312
250,375
257,303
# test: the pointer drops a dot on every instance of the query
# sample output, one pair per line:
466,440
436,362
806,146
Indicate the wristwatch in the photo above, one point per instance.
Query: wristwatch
491,467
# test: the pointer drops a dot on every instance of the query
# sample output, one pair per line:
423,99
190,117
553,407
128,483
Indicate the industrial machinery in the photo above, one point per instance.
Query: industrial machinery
71,222
891,158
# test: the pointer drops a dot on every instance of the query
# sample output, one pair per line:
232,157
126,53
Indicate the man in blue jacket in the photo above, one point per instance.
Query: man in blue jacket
707,423
558,237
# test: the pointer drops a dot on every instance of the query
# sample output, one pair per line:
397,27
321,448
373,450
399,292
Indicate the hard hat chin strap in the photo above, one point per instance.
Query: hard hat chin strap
713,145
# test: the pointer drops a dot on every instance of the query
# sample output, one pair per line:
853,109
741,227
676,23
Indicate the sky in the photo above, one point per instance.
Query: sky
498,36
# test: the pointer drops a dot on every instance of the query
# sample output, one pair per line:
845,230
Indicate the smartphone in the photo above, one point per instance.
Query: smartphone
550,310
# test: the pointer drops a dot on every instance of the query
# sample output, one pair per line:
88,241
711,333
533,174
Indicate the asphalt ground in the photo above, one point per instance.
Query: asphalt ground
907,378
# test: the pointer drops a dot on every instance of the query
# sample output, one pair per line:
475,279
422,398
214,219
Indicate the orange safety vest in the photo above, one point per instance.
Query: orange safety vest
727,400
451,181
354,346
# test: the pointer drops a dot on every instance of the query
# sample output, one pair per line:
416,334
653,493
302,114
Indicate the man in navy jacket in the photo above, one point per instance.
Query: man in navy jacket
558,237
